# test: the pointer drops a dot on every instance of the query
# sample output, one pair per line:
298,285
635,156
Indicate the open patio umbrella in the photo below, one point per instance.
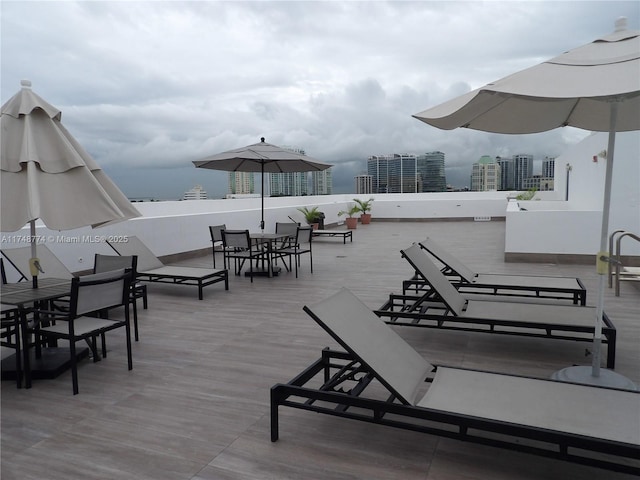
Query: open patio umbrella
261,157
594,87
47,175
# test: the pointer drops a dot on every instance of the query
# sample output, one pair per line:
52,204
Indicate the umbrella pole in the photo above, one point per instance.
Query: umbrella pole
34,253
602,262
262,196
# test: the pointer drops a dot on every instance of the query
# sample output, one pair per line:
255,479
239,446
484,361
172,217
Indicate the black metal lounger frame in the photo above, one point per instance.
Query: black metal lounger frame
201,282
413,311
418,283
335,233
175,276
430,311
336,397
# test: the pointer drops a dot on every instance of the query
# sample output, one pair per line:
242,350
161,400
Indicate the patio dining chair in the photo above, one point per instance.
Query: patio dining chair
217,241
107,263
287,228
300,245
239,247
89,294
10,340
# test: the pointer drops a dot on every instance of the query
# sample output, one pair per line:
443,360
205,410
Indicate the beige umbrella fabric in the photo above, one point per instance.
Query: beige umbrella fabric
46,173
261,157
574,89
594,87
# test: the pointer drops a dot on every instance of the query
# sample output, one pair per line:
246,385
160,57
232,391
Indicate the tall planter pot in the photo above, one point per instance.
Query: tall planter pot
352,222
365,218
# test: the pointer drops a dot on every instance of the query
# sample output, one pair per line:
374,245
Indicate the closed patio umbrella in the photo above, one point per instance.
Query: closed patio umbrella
593,87
47,175
261,157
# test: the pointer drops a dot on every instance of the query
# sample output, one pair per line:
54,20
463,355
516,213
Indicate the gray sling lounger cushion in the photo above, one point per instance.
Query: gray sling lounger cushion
558,406
149,264
566,407
133,246
384,351
495,310
151,268
52,266
533,281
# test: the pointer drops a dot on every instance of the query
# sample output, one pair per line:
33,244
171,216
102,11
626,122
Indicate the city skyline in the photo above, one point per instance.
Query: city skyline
148,87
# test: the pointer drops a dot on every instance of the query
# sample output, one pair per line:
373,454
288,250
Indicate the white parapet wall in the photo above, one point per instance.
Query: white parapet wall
170,228
569,229
550,231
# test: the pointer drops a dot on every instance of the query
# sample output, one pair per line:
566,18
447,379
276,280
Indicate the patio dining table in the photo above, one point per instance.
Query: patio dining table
46,362
268,240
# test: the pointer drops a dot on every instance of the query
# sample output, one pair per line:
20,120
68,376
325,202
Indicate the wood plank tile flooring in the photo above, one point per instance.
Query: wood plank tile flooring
196,404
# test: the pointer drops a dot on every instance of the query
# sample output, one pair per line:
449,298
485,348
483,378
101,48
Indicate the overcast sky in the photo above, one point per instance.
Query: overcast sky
148,87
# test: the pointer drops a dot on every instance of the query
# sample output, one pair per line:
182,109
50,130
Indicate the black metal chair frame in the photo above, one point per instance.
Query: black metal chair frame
215,231
104,263
239,247
296,248
42,317
11,337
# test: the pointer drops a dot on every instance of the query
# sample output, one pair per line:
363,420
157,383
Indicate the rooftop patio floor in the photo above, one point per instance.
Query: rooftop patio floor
196,404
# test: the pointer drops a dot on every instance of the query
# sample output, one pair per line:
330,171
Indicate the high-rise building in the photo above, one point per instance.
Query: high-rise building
548,167
485,175
395,173
241,183
322,182
431,176
507,173
364,184
289,184
407,173
523,168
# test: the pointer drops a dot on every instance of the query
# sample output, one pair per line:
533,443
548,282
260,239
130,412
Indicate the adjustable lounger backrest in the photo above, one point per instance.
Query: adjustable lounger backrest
449,260
359,331
52,266
425,267
133,246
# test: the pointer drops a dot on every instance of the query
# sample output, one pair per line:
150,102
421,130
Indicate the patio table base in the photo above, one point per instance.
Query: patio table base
51,364
262,272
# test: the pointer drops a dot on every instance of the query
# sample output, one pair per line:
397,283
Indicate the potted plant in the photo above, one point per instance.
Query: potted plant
311,216
351,221
364,207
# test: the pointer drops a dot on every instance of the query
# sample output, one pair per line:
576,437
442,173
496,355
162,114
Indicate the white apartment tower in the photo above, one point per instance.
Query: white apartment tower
364,184
196,193
322,182
485,175
241,183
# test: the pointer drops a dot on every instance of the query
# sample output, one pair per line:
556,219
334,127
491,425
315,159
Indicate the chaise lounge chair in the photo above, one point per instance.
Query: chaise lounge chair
469,282
151,269
578,423
442,306
51,266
